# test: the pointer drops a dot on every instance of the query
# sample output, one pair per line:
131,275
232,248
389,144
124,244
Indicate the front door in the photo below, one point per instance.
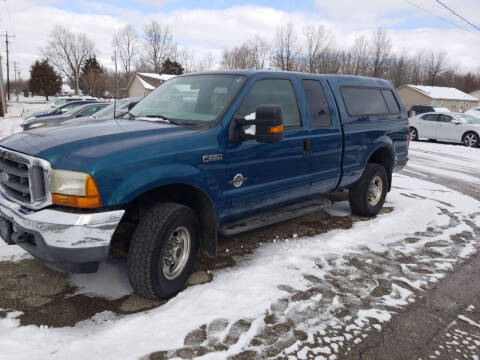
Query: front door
447,130
262,176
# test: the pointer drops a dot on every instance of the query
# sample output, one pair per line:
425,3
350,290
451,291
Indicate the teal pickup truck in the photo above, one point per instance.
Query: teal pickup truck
202,155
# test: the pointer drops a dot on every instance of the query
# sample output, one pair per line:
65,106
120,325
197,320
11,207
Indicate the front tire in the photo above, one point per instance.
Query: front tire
470,139
413,134
368,195
162,250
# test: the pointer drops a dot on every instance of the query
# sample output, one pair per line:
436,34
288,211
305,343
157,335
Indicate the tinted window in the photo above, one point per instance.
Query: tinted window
430,117
317,103
391,101
272,92
445,118
91,110
364,101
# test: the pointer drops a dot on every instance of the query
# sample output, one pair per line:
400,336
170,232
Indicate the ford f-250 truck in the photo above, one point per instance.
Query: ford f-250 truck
204,154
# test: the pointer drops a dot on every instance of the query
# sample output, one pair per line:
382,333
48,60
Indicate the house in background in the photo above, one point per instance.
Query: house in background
451,98
142,84
476,94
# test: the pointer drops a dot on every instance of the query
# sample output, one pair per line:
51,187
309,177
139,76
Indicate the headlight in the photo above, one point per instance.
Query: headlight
36,125
75,189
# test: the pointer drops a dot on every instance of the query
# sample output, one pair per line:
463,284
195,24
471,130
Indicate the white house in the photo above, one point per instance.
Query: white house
476,94
448,97
141,84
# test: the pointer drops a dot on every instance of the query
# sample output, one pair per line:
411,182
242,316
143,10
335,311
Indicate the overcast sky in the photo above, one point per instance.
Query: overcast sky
211,25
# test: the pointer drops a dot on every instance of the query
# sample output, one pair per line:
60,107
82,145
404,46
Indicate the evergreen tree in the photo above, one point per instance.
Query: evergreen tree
44,80
92,79
172,67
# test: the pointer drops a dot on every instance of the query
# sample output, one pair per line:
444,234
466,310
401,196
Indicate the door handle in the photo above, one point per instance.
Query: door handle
307,147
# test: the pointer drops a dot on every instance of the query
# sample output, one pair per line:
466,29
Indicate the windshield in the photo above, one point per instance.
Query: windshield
195,98
469,119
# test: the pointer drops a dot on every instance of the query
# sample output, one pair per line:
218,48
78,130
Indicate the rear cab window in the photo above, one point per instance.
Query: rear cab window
317,103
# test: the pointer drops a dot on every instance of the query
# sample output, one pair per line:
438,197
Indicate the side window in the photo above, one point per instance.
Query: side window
445,118
392,103
364,101
430,117
91,110
272,92
317,102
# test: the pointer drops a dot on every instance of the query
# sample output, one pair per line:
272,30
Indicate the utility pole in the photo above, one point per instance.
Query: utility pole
3,99
8,63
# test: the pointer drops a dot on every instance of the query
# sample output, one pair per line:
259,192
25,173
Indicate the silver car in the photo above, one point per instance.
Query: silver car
449,127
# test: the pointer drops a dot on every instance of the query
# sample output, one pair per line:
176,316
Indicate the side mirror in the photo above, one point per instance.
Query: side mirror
456,122
268,125
131,105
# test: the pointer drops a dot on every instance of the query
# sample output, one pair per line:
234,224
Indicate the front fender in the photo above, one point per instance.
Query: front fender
153,177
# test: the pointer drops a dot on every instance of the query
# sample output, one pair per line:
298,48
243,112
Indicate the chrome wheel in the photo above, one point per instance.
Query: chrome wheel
470,140
375,190
176,253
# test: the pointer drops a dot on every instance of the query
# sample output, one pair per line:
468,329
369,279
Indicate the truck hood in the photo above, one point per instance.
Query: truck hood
73,145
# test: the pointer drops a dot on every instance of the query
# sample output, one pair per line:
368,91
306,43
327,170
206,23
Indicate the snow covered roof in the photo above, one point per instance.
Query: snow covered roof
476,94
163,77
145,84
442,93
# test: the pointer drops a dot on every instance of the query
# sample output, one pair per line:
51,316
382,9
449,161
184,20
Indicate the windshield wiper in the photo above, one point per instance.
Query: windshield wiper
160,118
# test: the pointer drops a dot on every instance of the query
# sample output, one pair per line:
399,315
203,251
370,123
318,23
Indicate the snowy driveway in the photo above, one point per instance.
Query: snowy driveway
316,287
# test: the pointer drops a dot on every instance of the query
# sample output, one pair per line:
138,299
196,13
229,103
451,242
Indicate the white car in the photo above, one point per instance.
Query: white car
474,112
449,127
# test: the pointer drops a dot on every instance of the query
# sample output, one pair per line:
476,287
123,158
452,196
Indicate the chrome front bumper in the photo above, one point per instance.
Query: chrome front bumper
63,240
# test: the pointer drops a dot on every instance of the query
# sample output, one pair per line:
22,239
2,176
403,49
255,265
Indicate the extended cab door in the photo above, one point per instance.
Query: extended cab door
326,136
264,175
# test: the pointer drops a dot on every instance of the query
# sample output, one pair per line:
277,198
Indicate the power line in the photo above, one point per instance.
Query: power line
457,14
442,18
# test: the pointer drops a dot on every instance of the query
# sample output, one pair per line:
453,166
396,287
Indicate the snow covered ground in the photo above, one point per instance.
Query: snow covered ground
303,297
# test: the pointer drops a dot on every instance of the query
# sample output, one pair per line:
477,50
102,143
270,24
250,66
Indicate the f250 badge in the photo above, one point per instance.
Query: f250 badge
212,157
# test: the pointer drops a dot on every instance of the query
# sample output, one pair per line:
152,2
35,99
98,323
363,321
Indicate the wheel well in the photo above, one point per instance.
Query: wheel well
184,194
469,132
384,157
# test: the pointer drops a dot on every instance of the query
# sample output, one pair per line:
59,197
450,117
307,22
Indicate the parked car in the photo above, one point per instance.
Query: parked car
202,155
117,109
60,109
474,112
77,112
27,111
422,109
458,128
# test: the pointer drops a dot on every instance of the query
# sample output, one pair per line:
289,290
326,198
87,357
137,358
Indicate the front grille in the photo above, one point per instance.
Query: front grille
24,179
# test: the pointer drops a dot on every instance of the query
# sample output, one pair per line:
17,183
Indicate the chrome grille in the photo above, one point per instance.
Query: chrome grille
24,179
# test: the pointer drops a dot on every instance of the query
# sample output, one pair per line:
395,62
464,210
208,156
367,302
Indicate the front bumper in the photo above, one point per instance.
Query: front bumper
66,241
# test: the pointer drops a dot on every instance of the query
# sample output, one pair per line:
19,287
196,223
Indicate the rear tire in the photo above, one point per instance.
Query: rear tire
413,134
368,195
162,250
470,139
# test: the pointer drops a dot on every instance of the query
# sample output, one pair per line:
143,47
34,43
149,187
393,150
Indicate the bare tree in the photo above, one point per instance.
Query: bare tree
317,40
259,51
285,49
360,56
416,68
158,44
186,57
435,66
380,50
125,42
67,52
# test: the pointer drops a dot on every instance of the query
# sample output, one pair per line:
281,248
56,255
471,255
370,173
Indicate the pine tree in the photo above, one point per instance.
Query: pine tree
172,67
44,80
92,79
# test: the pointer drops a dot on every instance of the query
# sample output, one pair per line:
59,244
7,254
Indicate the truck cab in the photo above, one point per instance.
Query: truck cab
202,155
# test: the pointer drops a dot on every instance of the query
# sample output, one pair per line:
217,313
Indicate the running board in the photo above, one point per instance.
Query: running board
274,216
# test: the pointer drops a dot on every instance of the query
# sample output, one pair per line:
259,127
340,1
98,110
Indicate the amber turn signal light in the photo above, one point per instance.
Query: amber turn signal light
275,129
91,200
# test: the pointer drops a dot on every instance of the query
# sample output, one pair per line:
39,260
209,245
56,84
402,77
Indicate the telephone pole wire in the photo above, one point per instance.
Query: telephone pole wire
8,63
